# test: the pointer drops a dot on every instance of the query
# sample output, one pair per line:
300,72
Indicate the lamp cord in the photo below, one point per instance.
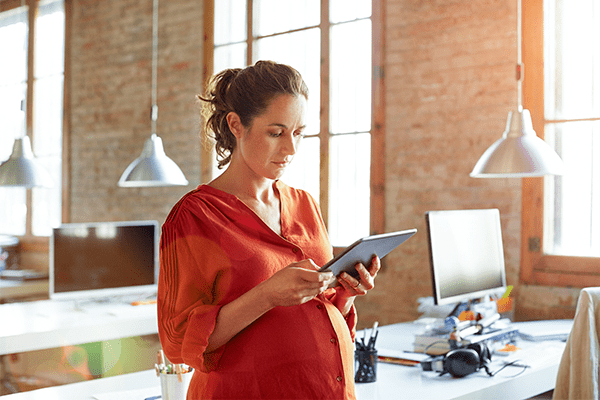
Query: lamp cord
520,67
154,110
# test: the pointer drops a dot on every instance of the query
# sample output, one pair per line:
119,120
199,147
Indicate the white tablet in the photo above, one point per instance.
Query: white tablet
363,250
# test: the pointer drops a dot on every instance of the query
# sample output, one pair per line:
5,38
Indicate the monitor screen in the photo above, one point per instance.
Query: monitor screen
103,259
466,254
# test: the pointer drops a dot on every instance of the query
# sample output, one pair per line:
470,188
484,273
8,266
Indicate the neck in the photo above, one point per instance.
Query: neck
244,184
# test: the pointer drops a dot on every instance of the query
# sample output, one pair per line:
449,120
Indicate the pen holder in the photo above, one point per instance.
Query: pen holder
172,389
365,365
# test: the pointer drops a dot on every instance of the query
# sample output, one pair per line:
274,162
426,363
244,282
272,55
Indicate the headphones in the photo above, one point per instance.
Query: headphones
460,362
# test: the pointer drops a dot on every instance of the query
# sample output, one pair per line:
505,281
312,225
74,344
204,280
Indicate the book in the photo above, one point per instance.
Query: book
400,357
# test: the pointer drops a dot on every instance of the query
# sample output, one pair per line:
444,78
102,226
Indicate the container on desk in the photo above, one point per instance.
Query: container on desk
172,388
365,365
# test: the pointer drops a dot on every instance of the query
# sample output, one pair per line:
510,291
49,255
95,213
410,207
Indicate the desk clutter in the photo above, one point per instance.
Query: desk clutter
174,378
365,357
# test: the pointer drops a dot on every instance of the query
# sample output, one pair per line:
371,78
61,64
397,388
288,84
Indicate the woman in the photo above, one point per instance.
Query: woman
240,297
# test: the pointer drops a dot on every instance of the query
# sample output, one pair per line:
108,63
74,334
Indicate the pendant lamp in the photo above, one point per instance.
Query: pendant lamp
520,152
153,167
22,169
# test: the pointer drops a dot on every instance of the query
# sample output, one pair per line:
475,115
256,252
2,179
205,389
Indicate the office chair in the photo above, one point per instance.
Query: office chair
578,369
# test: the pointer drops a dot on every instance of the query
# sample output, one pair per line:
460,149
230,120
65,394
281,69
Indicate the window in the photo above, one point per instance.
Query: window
31,102
561,215
330,42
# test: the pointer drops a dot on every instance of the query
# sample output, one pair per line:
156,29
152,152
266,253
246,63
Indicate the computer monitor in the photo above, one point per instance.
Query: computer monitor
466,254
103,259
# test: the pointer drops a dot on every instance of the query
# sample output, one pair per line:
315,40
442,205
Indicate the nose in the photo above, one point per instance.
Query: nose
290,145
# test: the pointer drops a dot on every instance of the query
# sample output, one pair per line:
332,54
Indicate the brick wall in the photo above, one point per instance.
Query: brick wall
111,99
450,82
450,75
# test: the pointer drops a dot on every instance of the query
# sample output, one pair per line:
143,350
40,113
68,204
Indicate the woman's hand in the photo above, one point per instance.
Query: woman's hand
352,287
296,284
363,283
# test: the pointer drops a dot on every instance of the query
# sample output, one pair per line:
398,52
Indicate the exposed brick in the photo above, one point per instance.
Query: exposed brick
450,81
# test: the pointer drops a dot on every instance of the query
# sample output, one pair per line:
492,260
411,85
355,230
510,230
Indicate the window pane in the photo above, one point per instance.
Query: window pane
13,211
300,50
348,10
349,191
13,36
48,113
13,75
574,213
230,21
47,147
351,77
50,39
276,16
303,172
572,60
46,207
231,56
12,117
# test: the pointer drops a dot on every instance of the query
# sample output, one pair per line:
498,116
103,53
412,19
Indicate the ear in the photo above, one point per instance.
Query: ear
235,124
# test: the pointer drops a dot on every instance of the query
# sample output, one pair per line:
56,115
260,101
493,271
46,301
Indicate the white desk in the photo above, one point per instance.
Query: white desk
393,381
144,383
47,324
399,382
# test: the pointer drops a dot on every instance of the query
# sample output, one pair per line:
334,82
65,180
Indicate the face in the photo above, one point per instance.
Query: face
268,146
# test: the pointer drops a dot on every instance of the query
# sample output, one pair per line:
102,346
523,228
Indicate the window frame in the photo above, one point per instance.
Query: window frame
377,173
536,267
30,242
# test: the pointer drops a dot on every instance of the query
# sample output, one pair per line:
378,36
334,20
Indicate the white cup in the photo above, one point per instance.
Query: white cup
172,389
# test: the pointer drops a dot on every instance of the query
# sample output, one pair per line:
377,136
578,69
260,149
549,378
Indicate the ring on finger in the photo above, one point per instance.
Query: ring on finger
356,287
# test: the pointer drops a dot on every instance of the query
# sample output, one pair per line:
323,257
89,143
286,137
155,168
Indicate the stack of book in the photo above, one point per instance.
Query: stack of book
431,343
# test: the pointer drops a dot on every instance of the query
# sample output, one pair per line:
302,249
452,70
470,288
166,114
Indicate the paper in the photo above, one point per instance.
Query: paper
545,330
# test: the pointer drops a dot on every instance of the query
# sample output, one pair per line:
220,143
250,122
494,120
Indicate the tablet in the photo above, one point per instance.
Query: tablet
363,251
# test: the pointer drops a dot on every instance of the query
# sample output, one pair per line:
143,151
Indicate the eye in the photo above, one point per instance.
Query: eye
299,133
275,134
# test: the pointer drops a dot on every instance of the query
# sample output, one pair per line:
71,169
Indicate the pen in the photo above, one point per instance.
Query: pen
373,336
178,371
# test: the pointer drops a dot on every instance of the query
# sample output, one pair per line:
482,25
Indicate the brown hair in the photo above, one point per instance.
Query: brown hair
248,92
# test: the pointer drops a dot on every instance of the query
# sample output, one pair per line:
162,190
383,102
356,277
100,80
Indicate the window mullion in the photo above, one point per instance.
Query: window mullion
324,131
32,13
250,32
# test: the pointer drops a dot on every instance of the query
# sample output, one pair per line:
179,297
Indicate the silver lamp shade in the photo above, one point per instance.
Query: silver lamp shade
519,153
152,168
22,169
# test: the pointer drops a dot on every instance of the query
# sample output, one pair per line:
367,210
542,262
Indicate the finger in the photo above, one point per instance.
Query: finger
318,281
363,273
352,284
375,266
307,264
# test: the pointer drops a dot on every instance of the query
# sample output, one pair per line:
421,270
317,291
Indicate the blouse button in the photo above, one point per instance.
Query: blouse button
295,250
332,340
320,306
339,378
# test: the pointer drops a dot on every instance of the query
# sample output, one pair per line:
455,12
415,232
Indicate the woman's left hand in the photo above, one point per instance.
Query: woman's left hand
365,281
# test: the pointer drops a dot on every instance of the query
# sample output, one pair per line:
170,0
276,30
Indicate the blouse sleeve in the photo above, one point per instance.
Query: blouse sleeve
194,274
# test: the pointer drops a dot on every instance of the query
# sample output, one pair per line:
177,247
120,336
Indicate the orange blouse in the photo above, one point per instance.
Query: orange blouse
213,249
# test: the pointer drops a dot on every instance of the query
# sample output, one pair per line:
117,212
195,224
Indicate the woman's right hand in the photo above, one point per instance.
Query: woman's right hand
296,284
